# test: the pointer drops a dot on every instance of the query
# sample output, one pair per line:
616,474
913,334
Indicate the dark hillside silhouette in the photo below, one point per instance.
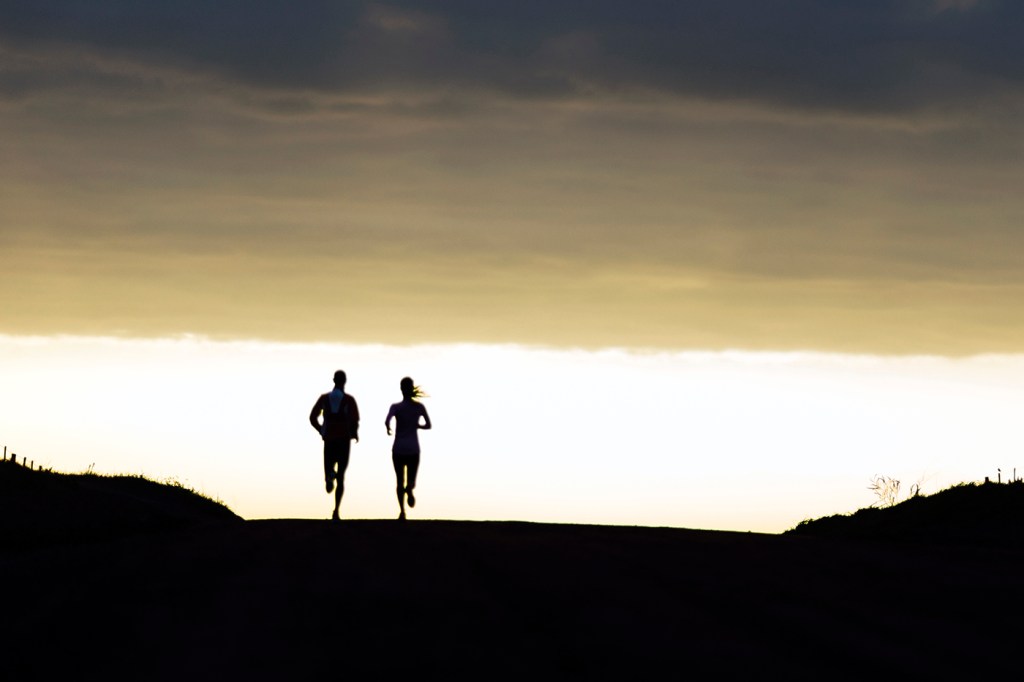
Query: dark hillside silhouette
42,507
989,514
300,599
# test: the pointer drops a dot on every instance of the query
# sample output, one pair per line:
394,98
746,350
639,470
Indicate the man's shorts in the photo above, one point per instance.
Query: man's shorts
336,452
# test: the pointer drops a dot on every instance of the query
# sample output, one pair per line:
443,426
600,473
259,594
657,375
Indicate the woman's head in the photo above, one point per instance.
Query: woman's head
410,390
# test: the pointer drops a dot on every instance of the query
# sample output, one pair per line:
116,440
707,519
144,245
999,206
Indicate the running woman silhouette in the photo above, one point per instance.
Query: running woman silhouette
410,416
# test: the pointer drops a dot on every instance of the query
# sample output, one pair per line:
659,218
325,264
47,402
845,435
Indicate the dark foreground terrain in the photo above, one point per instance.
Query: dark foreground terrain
298,599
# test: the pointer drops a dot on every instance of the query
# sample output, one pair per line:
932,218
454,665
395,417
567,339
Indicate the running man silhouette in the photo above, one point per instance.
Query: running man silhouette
405,453
340,427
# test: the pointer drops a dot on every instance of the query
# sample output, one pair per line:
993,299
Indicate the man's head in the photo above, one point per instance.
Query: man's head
340,378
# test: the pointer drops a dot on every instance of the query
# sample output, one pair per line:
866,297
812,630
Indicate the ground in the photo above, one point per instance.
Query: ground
293,599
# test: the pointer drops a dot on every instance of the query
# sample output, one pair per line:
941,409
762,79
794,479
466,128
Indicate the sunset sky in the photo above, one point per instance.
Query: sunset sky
665,209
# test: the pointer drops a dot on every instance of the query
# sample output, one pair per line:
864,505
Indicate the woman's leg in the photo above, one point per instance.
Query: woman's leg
412,467
399,484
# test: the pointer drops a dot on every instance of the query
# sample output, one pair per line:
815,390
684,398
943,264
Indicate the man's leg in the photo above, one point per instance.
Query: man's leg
328,469
342,453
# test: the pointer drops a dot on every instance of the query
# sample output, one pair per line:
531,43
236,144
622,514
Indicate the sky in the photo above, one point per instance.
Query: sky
544,186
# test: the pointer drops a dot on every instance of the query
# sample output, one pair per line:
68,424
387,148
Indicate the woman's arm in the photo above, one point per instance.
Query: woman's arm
426,419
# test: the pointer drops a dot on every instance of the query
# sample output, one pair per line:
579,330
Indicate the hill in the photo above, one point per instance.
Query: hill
44,507
201,595
973,514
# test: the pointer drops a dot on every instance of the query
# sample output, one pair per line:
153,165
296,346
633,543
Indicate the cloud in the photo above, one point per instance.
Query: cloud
878,56
956,5
732,173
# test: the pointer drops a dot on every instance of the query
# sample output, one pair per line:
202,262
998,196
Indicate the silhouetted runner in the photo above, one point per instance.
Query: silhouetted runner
405,453
340,427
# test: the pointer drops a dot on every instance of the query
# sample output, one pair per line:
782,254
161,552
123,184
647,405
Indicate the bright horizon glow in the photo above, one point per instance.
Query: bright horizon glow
724,440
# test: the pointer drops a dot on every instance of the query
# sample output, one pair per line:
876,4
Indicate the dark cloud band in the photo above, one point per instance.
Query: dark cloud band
864,55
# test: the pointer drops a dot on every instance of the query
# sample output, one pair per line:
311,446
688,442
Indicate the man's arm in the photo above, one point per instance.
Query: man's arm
314,415
355,419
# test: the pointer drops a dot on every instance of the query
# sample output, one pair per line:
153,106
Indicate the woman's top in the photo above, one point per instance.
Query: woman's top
407,425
